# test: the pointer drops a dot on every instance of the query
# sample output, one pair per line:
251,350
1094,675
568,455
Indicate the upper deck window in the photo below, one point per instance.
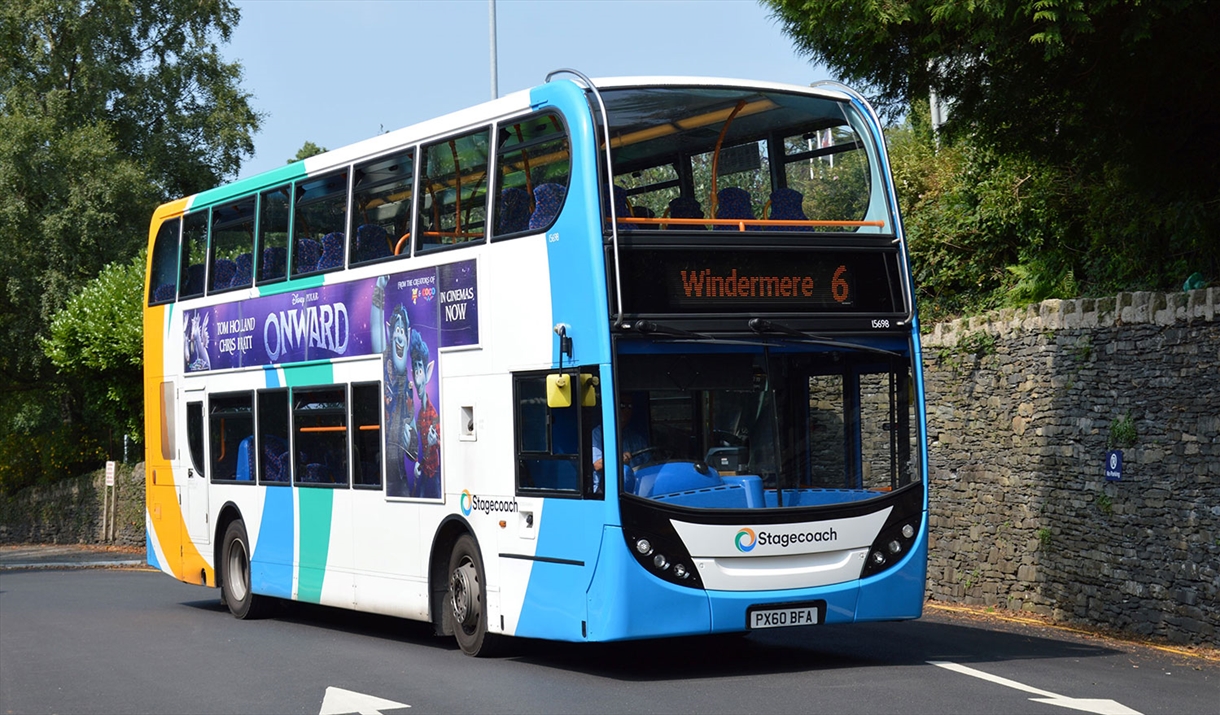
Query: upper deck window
382,208
453,186
163,283
764,160
319,221
534,163
232,246
194,254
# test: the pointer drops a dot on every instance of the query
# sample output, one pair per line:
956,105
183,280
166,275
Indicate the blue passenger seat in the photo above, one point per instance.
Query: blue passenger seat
513,215
733,203
548,199
786,206
332,251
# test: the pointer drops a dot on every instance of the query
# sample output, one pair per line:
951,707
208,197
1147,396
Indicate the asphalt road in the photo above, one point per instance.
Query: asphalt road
134,641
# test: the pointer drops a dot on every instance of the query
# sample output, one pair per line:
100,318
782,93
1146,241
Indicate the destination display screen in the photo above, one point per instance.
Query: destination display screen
735,280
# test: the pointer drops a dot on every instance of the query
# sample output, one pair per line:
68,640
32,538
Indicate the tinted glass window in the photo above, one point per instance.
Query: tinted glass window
273,235
320,436
275,463
319,219
194,254
366,434
231,428
163,283
232,246
534,167
453,186
382,208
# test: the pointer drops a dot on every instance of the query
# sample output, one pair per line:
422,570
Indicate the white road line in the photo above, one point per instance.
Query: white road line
1090,705
338,701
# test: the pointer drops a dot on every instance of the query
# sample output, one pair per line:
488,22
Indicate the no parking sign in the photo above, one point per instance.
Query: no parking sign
1114,465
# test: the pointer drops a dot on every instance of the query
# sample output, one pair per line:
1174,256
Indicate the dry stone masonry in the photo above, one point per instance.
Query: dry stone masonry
1023,408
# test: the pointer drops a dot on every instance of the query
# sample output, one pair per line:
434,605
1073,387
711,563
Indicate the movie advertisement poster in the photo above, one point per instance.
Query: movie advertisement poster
405,317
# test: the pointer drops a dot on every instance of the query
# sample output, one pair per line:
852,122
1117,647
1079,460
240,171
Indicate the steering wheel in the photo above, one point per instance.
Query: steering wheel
654,455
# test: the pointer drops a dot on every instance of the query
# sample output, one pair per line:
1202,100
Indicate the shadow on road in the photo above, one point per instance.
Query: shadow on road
791,650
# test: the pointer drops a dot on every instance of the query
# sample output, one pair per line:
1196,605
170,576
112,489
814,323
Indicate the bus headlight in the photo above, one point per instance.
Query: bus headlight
643,546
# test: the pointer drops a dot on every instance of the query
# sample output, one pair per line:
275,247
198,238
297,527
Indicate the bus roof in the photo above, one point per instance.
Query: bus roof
455,122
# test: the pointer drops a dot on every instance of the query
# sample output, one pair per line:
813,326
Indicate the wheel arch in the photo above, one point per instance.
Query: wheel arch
228,514
447,533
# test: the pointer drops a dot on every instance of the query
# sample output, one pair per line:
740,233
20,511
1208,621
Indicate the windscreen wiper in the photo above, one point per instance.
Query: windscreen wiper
648,327
762,327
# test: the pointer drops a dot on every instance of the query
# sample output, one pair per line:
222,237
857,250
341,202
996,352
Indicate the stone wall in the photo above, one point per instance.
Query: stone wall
1022,408
71,511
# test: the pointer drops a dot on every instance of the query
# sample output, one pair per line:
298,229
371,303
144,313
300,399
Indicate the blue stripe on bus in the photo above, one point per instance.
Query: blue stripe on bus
271,563
625,601
148,549
272,375
574,244
554,605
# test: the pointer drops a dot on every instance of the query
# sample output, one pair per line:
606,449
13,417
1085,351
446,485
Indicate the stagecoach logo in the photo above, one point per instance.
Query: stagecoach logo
472,502
746,540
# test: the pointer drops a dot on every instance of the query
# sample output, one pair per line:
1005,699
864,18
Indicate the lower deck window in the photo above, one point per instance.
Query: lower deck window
231,426
320,436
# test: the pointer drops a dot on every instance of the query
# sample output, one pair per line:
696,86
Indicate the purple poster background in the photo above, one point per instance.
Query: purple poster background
327,321
404,317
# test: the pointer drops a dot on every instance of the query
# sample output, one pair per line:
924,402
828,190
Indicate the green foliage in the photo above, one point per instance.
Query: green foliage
1105,504
1053,177
1122,432
106,110
1045,536
307,150
97,343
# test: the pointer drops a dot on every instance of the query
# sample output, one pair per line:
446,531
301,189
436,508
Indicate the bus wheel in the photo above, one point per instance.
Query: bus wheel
465,600
235,578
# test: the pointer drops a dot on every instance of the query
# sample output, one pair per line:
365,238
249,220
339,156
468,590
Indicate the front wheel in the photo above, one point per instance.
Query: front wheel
466,600
235,575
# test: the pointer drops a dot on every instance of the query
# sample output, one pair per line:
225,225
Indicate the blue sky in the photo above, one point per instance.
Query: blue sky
337,71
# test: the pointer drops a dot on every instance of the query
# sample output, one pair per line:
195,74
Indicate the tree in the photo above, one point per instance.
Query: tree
1115,98
307,150
107,108
97,343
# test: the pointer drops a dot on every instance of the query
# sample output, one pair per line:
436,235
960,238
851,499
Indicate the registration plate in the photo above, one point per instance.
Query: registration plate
785,615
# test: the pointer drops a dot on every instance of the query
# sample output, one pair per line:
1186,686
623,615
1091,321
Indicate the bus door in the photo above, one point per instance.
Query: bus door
195,486
556,417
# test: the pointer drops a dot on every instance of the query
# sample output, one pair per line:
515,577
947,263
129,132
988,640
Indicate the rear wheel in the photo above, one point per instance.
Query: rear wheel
466,600
235,589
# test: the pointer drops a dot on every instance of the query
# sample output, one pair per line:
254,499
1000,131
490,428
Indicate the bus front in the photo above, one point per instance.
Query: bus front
768,441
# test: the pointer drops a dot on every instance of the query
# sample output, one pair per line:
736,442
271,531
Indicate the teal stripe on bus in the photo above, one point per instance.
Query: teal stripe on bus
246,187
316,506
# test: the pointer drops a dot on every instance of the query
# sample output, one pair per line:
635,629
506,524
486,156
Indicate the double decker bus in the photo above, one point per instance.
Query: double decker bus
594,361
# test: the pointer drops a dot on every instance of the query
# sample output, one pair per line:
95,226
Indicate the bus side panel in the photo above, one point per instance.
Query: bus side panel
168,547
899,593
554,605
624,601
271,562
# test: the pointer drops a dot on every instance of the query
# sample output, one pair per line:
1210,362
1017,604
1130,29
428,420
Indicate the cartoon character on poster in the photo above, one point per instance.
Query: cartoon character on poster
393,339
428,468
196,343
412,442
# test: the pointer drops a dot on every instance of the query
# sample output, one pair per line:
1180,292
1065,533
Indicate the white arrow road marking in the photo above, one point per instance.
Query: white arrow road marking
1089,705
338,701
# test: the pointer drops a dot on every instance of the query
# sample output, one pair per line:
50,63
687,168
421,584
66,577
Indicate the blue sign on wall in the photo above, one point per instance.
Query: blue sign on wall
1114,465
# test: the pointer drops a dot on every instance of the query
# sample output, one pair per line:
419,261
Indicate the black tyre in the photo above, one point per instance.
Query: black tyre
235,575
466,601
